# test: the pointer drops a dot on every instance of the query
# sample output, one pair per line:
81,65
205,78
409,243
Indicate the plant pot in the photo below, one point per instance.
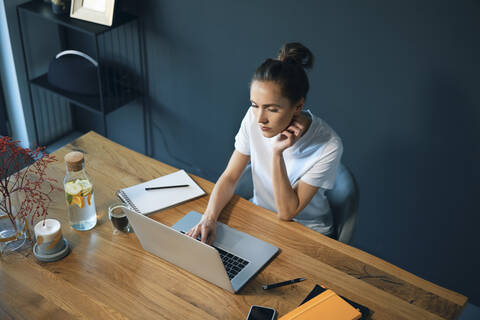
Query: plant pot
12,237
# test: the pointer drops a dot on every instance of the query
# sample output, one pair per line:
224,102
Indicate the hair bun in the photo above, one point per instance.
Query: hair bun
296,53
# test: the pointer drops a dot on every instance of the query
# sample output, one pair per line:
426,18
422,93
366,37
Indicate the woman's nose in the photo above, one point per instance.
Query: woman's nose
261,117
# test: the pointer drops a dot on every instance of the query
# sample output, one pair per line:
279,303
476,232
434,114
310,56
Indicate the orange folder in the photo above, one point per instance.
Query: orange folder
327,305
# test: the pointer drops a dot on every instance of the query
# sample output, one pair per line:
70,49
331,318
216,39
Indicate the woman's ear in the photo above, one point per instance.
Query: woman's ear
299,106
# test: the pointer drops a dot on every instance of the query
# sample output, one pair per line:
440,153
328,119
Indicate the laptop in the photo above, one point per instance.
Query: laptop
233,259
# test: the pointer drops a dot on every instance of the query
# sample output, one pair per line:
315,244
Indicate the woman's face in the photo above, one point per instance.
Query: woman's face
272,110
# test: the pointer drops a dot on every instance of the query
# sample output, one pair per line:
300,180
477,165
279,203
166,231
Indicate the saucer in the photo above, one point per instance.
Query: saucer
54,256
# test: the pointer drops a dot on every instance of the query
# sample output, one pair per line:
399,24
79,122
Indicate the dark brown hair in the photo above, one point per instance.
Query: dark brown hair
288,70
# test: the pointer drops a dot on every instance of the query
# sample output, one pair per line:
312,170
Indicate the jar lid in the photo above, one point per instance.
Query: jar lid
74,160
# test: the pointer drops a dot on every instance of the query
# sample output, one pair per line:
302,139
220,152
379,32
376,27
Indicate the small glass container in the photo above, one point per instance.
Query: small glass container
118,217
79,196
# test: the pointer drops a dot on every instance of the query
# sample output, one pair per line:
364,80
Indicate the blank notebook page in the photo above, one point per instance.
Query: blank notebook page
145,202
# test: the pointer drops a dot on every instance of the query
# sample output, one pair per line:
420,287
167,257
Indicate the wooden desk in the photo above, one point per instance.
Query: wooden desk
110,276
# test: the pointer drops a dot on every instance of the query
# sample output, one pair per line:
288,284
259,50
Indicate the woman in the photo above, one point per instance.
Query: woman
294,155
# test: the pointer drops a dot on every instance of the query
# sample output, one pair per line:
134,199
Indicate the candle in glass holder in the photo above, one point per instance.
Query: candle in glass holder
49,236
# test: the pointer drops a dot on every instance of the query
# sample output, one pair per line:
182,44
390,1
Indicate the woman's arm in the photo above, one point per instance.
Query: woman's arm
225,186
289,201
221,195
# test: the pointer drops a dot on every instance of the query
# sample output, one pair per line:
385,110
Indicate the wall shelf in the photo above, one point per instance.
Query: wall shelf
43,10
89,102
117,49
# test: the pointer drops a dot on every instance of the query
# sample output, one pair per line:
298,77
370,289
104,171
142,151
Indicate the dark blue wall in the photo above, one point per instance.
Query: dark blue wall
399,81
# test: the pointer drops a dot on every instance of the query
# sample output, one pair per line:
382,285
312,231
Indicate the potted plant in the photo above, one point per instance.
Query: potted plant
24,193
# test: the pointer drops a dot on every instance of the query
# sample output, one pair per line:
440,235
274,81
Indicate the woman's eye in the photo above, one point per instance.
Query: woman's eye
254,106
273,110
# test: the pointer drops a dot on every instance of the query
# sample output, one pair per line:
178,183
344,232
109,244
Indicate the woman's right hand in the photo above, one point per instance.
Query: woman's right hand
291,134
206,228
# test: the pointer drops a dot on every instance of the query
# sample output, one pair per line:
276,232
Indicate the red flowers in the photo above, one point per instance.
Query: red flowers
31,186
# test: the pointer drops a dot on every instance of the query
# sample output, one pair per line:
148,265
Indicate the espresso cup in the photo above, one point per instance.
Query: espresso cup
118,217
49,237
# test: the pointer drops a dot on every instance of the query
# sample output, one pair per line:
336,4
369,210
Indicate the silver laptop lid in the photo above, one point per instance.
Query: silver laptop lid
181,250
257,252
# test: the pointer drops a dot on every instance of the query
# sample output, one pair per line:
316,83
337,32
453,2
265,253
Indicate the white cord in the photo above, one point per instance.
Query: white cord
78,53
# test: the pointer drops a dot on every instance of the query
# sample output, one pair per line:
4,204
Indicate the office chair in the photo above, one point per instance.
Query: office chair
244,186
343,200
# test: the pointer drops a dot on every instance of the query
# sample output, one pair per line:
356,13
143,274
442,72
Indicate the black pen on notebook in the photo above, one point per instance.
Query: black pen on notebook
167,187
281,284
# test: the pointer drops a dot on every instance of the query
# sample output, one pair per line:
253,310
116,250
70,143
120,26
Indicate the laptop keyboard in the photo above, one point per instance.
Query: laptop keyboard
232,263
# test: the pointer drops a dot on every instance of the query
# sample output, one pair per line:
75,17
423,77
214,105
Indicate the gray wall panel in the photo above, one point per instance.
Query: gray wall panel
397,80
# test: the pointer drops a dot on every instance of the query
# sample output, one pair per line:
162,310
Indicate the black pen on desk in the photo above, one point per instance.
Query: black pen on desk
167,187
281,284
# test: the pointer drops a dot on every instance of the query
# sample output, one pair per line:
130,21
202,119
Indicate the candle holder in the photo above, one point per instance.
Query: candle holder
50,244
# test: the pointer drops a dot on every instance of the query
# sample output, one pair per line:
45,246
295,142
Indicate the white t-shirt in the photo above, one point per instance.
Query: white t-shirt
313,159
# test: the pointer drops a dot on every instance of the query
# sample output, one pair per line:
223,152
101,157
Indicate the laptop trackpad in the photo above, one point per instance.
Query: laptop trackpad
187,222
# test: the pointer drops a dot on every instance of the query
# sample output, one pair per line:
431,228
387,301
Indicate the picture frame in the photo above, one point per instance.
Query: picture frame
97,11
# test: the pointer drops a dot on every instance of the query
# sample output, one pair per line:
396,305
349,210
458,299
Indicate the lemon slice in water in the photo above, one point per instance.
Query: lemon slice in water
86,186
73,188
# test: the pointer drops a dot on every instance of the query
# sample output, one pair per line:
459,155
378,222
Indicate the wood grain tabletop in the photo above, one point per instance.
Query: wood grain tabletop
108,275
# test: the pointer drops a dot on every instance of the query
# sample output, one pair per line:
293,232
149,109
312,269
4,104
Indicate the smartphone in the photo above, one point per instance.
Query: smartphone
261,313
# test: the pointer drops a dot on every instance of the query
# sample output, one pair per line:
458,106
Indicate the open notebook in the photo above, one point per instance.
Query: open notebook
145,202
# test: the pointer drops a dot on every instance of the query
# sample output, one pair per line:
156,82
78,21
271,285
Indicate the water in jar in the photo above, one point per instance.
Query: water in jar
81,204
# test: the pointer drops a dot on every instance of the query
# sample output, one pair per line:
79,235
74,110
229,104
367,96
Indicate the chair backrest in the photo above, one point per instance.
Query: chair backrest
344,200
244,186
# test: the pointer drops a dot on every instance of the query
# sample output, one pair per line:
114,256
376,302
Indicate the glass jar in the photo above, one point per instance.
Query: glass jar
79,197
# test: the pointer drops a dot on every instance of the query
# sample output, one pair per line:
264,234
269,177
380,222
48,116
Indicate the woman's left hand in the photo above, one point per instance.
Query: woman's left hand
291,134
